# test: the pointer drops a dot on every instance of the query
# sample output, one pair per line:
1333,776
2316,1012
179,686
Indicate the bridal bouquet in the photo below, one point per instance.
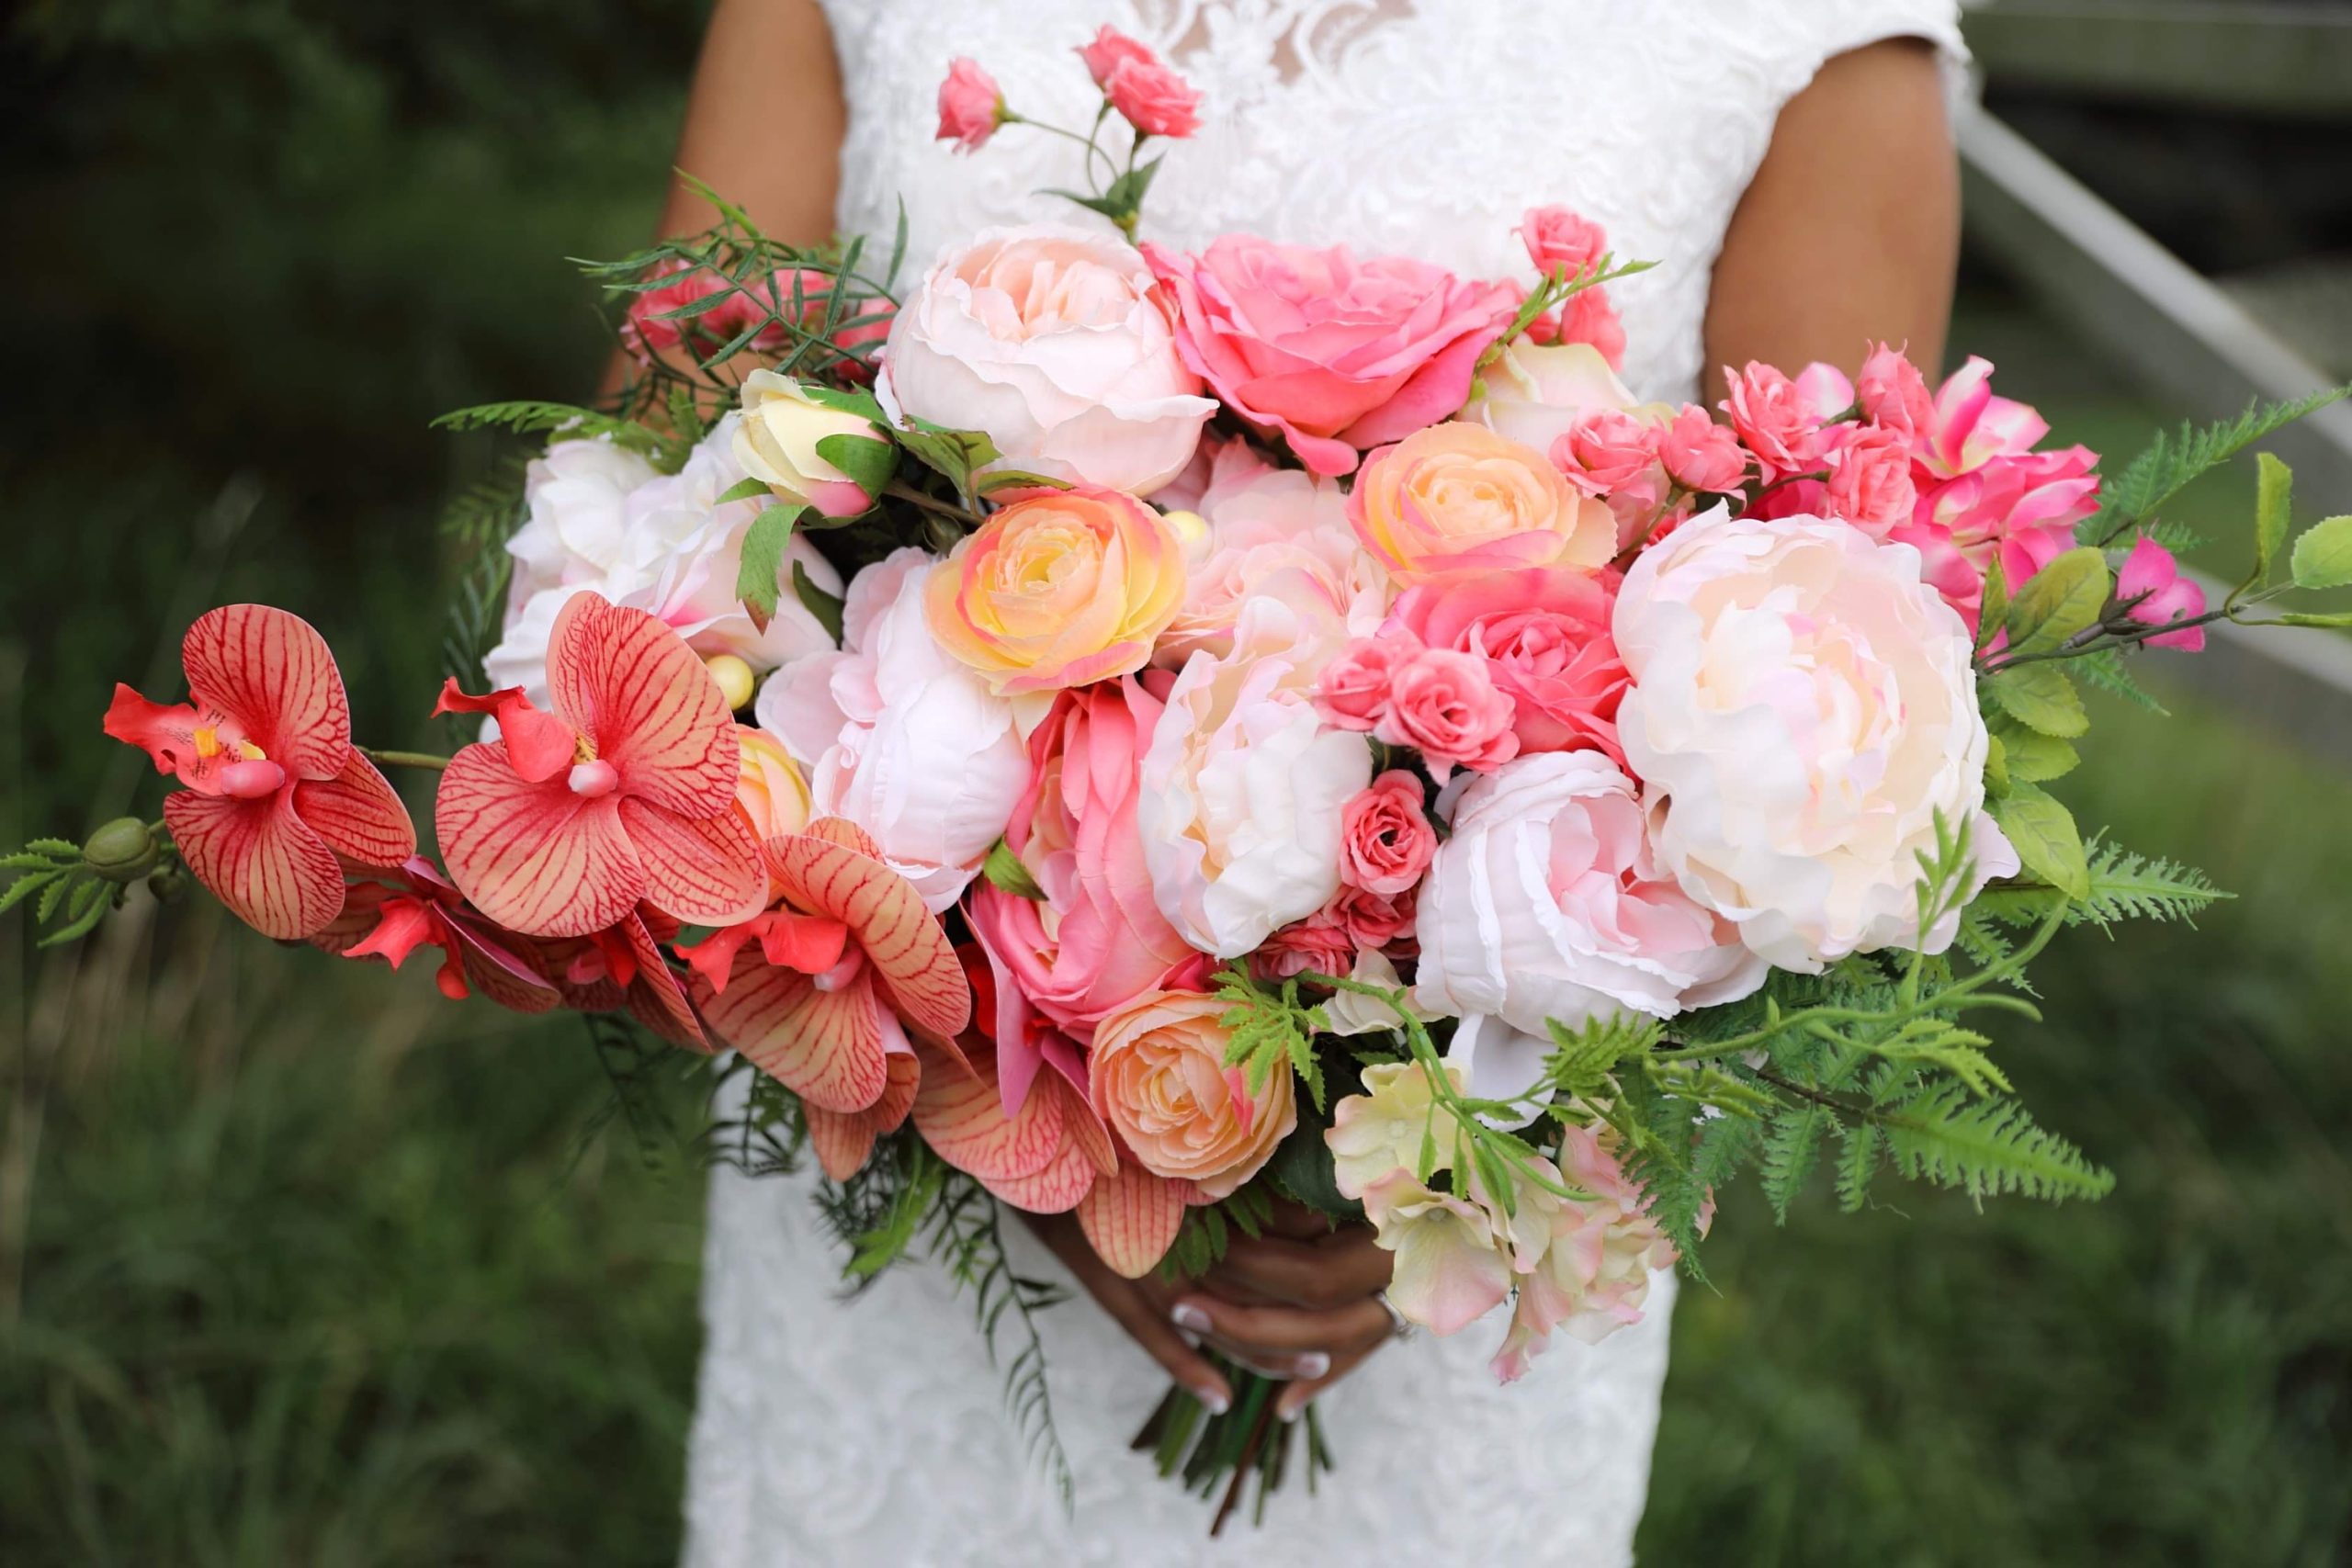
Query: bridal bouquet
1115,730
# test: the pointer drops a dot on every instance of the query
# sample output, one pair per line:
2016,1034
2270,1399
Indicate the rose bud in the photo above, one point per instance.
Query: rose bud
825,457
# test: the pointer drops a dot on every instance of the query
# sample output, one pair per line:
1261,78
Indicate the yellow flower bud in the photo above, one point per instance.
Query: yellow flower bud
734,678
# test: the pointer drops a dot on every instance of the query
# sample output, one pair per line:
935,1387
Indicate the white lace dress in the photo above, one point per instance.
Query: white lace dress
875,1432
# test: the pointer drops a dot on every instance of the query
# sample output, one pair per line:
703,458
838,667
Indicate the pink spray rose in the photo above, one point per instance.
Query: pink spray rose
1869,480
1319,942
1561,242
1443,703
1375,919
1386,839
1589,316
2155,594
1543,634
1606,450
1353,693
1154,99
1700,454
645,333
1337,355
1893,394
1109,50
1777,420
971,106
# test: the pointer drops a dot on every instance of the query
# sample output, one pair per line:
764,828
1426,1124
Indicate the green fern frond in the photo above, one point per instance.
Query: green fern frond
2170,463
1791,1147
2126,885
1985,1147
2105,669
1858,1161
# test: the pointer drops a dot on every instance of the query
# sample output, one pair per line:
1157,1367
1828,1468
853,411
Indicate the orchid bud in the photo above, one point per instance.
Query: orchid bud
123,851
167,882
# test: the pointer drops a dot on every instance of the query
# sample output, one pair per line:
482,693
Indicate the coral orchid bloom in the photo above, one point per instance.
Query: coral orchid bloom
274,789
842,1141
622,967
1130,1217
815,1002
1045,1158
623,794
388,922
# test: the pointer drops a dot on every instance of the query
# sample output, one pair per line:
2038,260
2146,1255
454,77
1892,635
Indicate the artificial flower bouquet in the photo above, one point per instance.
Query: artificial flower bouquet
1115,729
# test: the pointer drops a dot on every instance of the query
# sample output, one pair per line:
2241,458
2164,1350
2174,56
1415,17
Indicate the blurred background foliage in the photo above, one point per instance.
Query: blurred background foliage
298,1264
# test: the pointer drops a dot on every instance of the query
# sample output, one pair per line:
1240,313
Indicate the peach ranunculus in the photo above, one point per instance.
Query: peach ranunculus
1458,497
1273,533
1338,355
1159,1077
1053,340
1060,589
1544,636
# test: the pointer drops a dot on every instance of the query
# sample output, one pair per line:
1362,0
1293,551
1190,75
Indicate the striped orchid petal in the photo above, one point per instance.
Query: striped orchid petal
901,940
358,813
960,1116
703,870
260,858
1131,1218
1056,1190
535,858
272,673
843,1142
656,996
828,1046
629,683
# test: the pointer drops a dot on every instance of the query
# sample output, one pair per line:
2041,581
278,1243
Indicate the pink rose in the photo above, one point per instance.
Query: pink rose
1353,691
1444,705
1337,355
1560,241
1893,394
1589,316
2153,593
1153,99
1386,839
1376,920
1544,636
1869,480
971,106
1318,942
1606,450
1700,454
1110,49
1097,940
1776,419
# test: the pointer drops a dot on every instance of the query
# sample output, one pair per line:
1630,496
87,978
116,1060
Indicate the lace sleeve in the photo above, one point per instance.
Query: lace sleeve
1820,30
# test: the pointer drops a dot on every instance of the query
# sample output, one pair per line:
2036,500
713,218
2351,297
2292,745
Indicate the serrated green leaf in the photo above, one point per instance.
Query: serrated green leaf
1992,608
953,454
762,561
825,608
2035,758
856,402
1007,875
2323,555
64,847
1019,479
743,490
2043,832
1996,763
866,462
1856,1163
50,898
2041,697
2063,598
25,888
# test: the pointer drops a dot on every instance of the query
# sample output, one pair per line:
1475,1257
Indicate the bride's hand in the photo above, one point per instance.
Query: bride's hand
1296,1302
1139,1306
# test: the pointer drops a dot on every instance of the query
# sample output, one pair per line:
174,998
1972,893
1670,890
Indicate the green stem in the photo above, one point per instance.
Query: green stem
404,759
899,490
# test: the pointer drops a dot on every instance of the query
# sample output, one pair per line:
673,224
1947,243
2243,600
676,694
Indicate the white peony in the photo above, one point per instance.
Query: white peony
1053,340
1802,707
1544,903
605,519
899,737
1242,787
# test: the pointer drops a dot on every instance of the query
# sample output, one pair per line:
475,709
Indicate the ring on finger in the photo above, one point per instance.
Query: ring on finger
1399,1326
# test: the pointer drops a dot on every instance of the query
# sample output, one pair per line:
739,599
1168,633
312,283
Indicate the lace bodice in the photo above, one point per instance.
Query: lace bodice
873,1431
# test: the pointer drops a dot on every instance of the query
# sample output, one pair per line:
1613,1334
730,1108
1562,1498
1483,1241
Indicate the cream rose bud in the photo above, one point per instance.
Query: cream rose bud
1545,904
1052,341
778,440
1803,709
1533,393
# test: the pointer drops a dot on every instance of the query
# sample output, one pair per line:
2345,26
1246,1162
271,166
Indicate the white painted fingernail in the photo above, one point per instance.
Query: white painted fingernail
1314,1364
1184,1314
1217,1402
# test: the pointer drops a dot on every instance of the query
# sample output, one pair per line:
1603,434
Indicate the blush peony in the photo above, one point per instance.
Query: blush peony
1547,903
1337,355
1052,340
1458,497
1803,709
1159,1077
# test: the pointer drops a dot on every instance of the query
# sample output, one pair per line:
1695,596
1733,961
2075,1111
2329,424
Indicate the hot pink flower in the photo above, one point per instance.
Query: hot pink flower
1386,839
1443,703
1700,454
1109,50
275,790
1969,427
971,106
1544,636
1869,480
2018,509
1776,419
1561,242
1154,99
1893,394
1337,355
2153,592
1097,940
1353,691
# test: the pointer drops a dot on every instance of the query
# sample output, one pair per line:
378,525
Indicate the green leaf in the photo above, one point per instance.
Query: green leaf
743,490
2168,464
2035,758
1996,761
825,608
25,888
762,563
951,453
2273,507
866,462
1007,875
2040,697
2323,554
2043,832
861,404
1019,479
1993,609
1302,1167
1986,1147
2063,598
1856,1163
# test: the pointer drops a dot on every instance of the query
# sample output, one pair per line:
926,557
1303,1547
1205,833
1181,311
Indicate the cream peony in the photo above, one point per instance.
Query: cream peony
1243,787
1052,340
1545,904
902,740
1802,707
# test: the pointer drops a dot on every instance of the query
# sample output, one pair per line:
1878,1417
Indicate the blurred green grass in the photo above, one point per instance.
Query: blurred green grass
298,1264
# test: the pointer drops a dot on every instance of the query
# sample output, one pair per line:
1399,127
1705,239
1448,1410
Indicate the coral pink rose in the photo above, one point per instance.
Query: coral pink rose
971,106
1375,919
1892,393
1353,693
1096,940
1590,317
1386,839
1700,454
1777,421
1458,497
1869,480
1051,339
645,333
1109,50
1061,589
1320,943
1338,355
1560,241
2155,594
1444,705
1544,636
1159,1077
1152,99
1606,450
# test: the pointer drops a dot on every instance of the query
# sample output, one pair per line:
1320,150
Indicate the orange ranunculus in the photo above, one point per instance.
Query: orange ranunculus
1458,497
1061,589
1159,1077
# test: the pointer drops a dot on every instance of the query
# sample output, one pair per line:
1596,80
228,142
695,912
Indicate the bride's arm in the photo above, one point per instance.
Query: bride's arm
763,121
1851,229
